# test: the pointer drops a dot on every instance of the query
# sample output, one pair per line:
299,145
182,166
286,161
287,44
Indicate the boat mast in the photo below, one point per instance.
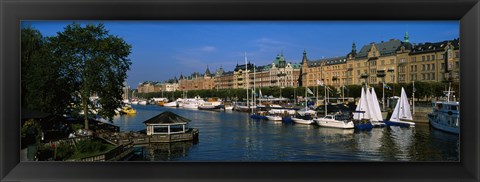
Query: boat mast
448,95
325,99
246,77
413,98
383,95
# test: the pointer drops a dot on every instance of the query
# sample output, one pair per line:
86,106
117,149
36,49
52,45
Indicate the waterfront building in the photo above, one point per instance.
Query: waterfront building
152,87
377,62
392,61
197,81
149,87
223,80
329,70
279,73
434,62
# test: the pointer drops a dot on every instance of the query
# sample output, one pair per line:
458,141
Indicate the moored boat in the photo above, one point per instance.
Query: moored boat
401,115
335,121
128,110
445,115
305,119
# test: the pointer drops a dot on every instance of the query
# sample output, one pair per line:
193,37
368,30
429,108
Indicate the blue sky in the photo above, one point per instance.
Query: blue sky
164,49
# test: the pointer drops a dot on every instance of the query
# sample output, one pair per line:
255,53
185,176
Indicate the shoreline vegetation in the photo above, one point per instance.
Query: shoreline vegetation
425,91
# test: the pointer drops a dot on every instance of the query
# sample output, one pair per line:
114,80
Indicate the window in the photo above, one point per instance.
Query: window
423,76
358,72
457,54
423,58
402,60
411,68
443,66
414,59
365,64
433,76
428,58
457,65
441,56
423,67
428,76
433,66
415,67
433,57
392,61
428,67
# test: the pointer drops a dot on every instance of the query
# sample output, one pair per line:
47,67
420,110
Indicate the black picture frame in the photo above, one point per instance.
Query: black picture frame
12,12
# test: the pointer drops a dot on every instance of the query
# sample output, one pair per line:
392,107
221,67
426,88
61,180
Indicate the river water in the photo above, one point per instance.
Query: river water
233,136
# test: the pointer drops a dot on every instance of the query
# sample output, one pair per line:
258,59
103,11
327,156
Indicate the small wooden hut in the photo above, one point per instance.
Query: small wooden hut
169,127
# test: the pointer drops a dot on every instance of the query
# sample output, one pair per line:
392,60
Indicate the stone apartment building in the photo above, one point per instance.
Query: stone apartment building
392,61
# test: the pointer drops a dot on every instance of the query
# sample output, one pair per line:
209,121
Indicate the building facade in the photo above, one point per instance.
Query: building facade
197,81
392,61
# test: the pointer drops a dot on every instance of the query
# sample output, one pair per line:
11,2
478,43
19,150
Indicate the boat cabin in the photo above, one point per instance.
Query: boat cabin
447,107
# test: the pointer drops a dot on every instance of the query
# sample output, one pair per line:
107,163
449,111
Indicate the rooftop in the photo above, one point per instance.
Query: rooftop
167,117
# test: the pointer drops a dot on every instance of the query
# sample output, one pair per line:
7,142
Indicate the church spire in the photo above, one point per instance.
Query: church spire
354,47
304,59
406,38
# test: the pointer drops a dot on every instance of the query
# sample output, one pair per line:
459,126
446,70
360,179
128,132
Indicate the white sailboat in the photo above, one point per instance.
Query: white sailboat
362,106
401,116
375,114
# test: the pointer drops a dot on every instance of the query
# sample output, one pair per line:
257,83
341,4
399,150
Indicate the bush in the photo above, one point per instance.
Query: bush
90,146
64,151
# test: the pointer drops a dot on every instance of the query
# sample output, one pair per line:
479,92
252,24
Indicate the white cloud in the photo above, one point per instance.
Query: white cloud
208,49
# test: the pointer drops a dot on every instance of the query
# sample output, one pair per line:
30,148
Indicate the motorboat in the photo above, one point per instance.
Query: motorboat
305,119
445,115
335,121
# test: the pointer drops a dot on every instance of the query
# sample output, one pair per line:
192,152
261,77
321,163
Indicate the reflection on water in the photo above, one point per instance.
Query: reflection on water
233,136
162,151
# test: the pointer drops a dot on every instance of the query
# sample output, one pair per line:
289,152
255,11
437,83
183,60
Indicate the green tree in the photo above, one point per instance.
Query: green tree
43,87
95,62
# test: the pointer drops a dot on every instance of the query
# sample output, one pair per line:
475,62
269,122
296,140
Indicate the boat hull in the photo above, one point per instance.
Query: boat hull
258,117
362,126
444,128
400,123
303,121
335,124
274,118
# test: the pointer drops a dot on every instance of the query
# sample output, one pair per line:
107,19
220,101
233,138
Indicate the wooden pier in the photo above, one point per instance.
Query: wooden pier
138,138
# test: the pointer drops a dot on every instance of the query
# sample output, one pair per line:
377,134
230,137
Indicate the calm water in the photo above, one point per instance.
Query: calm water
233,136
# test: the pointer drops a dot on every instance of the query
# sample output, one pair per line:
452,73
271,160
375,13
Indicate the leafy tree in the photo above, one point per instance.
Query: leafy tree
43,87
94,62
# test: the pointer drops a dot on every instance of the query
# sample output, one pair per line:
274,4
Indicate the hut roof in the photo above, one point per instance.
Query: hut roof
166,117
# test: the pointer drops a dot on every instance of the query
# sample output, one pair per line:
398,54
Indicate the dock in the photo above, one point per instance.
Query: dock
140,138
